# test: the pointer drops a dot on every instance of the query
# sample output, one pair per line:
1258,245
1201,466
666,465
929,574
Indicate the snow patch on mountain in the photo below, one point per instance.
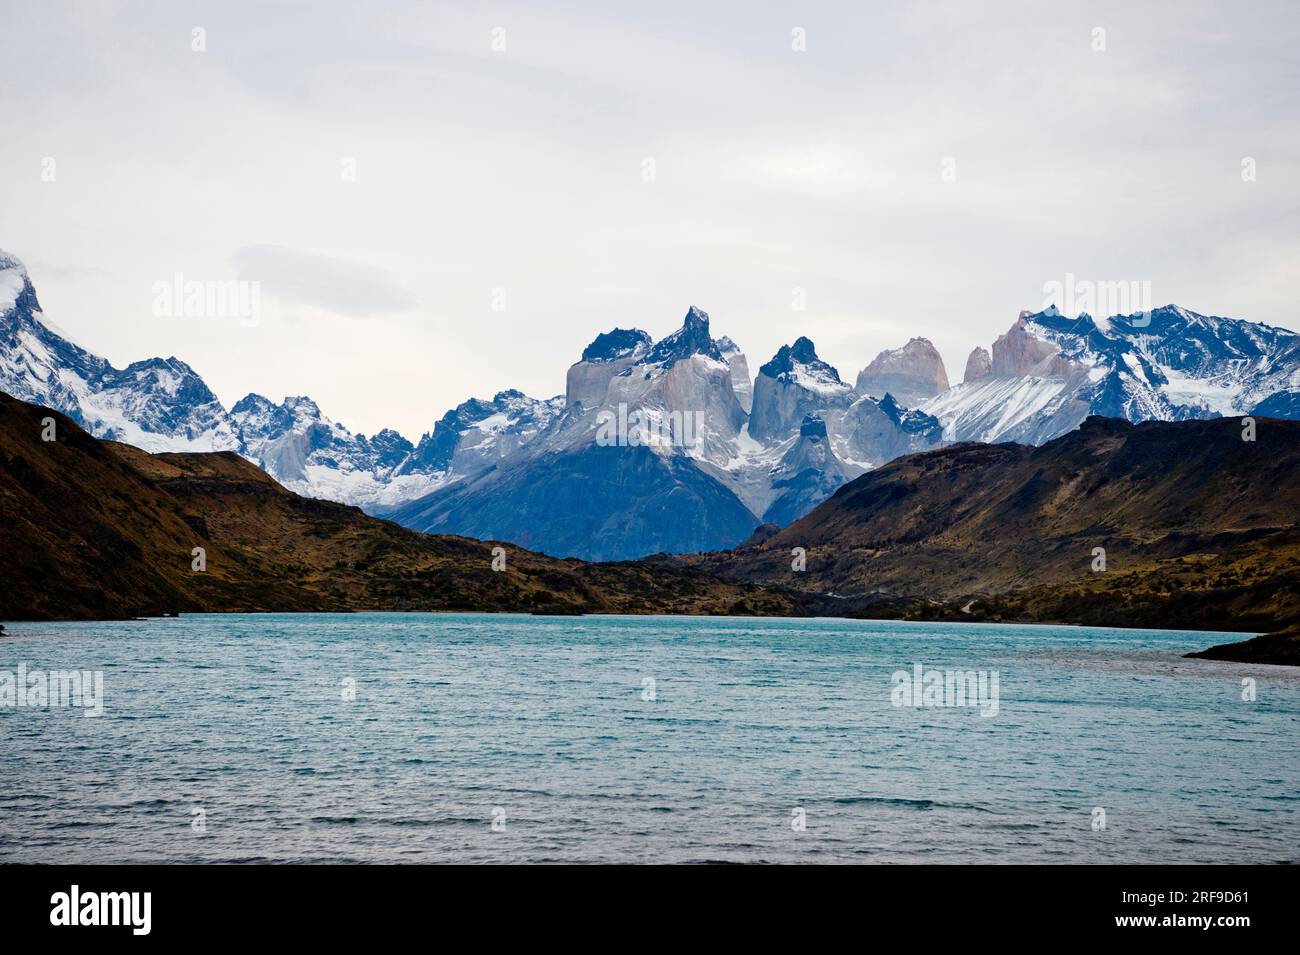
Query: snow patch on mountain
1050,371
541,472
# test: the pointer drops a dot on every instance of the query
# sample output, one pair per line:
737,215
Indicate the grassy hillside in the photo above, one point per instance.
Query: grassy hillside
96,529
1199,530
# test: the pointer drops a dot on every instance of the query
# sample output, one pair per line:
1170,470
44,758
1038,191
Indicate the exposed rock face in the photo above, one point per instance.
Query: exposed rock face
553,496
1043,377
291,438
807,474
911,374
158,403
617,344
1017,352
608,481
794,384
1028,410
685,374
692,338
610,354
512,450
479,434
879,431
978,366
162,404
741,383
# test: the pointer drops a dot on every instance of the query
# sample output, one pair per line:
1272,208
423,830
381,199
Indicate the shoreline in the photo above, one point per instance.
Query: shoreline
1273,648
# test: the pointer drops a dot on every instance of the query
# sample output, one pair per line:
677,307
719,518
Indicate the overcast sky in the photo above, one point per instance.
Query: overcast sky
518,178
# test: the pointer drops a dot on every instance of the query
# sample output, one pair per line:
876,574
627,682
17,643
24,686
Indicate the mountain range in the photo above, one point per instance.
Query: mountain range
669,446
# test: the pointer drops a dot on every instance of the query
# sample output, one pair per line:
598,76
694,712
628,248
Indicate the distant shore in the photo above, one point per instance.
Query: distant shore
1282,649
1276,649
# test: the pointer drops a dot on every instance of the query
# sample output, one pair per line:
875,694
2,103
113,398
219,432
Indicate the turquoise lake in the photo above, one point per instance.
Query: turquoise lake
495,738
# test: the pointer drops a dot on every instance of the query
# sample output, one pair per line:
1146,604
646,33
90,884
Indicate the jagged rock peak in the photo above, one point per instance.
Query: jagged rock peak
909,421
979,365
616,344
171,362
726,346
802,352
812,426
1020,352
302,404
691,339
252,402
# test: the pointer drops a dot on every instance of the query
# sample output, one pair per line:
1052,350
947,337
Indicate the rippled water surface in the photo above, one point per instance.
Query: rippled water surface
543,724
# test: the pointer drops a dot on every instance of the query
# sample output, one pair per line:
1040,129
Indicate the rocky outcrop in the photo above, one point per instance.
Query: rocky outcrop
741,383
1017,352
610,354
794,384
808,473
911,374
877,431
1279,649
978,366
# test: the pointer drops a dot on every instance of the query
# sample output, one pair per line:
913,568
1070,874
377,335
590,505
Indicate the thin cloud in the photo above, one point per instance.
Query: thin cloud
343,286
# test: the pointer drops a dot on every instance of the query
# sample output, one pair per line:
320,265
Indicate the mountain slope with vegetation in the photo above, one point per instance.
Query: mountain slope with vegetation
95,529
1160,524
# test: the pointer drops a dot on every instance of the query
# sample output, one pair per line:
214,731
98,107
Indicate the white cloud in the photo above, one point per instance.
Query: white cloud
337,285
522,170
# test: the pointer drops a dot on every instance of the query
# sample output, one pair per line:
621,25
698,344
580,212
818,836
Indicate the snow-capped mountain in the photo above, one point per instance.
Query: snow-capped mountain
669,445
159,404
687,420
162,404
792,385
314,456
609,478
478,434
1049,372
